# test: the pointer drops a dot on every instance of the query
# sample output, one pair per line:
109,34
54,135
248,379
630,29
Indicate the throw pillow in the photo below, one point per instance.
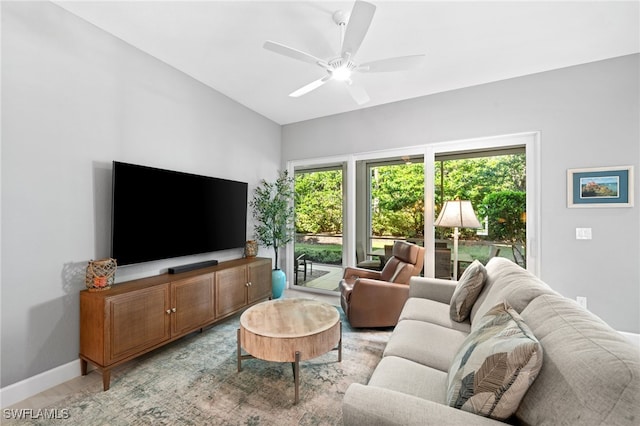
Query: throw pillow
467,291
495,365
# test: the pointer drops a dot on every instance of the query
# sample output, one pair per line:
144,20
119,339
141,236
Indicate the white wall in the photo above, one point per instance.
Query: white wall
74,99
588,116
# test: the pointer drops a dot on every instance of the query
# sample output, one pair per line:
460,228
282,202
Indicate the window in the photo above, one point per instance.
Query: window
395,195
495,183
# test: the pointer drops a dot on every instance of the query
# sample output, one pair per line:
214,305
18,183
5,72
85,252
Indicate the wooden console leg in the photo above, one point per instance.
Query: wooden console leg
83,367
106,379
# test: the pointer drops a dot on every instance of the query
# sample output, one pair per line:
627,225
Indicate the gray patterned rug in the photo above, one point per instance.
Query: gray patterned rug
194,381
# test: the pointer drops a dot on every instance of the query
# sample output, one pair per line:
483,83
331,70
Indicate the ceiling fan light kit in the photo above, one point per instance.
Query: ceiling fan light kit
341,69
353,28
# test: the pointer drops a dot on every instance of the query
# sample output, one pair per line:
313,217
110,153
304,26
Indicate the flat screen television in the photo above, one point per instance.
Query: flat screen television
160,214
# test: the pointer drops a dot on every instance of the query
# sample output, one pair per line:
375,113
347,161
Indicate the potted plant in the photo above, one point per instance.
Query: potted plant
272,206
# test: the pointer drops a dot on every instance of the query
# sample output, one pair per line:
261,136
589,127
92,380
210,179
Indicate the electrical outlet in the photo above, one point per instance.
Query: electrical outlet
582,301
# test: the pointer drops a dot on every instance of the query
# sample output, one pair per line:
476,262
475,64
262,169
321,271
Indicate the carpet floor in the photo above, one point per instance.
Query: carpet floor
194,381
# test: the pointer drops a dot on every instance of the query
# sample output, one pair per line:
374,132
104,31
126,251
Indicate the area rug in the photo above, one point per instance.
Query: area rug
194,381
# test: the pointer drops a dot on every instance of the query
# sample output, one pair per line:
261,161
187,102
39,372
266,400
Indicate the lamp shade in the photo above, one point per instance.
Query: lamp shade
457,214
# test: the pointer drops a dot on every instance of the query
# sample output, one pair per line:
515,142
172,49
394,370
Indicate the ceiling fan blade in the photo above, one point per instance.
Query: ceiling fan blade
309,87
293,53
400,63
357,27
358,93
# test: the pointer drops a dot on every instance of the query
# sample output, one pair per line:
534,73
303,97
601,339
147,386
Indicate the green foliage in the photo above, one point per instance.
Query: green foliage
506,211
473,179
273,212
330,254
319,202
397,193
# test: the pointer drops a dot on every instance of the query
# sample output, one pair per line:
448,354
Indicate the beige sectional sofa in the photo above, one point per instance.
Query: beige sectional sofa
590,374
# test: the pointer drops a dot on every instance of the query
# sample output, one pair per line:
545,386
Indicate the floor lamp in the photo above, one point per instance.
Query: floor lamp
457,214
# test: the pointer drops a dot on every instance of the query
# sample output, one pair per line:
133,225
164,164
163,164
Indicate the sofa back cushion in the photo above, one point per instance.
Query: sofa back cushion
467,291
590,374
495,365
507,282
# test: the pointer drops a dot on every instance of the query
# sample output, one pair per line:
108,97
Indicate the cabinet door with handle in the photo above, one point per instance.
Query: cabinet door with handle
231,290
136,321
192,304
260,280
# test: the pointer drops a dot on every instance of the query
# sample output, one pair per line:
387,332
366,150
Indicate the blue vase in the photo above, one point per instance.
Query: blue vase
278,283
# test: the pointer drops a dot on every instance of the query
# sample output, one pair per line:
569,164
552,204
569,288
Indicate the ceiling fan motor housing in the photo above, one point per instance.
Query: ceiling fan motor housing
340,17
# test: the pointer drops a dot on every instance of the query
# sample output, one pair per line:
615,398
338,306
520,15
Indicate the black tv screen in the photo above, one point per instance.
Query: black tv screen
160,214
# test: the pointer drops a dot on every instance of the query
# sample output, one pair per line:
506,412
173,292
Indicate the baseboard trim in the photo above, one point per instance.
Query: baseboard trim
31,386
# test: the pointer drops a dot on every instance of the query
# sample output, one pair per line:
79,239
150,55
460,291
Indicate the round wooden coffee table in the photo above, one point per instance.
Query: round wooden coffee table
289,330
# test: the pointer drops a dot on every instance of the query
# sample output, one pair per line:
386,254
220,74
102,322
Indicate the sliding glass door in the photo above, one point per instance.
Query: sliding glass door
319,217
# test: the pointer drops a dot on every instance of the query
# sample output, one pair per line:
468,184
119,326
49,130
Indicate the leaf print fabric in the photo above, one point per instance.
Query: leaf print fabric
495,365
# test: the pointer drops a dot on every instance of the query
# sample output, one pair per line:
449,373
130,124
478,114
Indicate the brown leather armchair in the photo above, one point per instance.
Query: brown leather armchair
375,298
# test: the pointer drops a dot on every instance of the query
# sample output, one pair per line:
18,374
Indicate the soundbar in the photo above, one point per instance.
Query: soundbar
192,266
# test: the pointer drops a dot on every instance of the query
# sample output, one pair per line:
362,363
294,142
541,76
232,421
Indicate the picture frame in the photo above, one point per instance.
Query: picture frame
600,187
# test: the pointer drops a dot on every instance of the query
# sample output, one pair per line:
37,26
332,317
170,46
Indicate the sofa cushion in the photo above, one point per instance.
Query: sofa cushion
590,374
425,343
495,365
507,282
409,377
432,288
467,291
428,310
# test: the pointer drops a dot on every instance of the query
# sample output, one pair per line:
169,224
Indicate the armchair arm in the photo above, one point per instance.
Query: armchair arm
350,273
432,288
375,303
373,406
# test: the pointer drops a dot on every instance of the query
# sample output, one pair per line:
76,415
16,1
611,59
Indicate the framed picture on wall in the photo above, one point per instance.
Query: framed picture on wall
600,187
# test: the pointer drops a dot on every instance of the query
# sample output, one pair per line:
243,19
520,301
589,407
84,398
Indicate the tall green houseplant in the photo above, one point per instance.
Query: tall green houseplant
272,206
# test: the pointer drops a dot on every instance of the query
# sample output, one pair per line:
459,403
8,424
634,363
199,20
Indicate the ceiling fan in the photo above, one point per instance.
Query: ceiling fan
342,67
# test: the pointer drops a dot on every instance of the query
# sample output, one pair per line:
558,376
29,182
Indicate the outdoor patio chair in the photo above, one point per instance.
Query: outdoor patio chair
363,262
301,265
518,257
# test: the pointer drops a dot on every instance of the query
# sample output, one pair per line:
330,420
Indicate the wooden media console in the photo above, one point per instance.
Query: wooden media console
135,317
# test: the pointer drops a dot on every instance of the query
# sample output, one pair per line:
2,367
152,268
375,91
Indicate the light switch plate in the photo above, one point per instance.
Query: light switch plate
583,233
